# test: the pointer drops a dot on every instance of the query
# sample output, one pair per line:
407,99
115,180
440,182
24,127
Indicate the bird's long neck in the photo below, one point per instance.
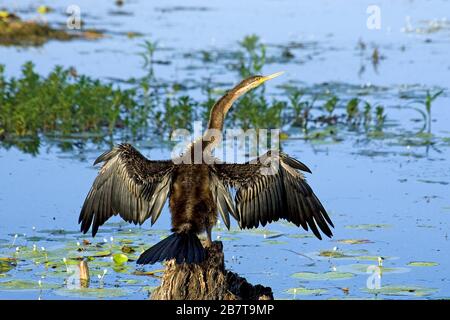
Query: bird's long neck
212,135
220,109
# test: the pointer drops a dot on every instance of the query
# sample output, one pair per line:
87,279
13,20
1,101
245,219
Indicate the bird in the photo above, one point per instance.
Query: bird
266,189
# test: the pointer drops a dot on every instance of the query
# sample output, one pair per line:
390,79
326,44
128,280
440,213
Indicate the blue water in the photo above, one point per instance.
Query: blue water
398,185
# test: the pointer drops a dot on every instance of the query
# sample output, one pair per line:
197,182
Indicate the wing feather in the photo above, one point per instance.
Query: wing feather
129,185
273,188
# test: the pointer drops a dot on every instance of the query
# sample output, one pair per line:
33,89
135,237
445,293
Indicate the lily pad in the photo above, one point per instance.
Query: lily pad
371,258
362,268
6,264
127,249
95,293
26,285
120,259
333,254
104,253
422,264
392,290
229,238
126,241
354,241
305,291
330,275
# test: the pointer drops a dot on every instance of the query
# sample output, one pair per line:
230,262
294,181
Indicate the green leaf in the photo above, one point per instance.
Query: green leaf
354,241
422,264
331,275
26,285
332,254
120,259
305,291
92,293
392,290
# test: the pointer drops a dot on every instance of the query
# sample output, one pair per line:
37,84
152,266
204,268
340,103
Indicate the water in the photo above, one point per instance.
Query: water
391,193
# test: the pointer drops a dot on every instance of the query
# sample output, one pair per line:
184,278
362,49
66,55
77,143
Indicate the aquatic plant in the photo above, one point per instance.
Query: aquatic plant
177,113
149,51
352,111
425,103
252,56
380,116
255,111
429,99
77,108
64,104
330,105
300,107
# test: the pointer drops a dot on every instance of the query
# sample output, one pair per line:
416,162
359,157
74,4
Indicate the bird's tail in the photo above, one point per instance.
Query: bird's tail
185,247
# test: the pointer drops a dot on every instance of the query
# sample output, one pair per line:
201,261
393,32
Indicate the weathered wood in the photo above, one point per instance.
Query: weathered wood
84,274
207,281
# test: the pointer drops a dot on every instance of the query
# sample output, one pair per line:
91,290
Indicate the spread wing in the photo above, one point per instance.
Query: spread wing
128,184
271,187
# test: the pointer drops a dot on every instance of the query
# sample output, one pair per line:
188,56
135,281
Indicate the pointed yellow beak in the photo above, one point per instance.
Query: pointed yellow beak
265,78
274,75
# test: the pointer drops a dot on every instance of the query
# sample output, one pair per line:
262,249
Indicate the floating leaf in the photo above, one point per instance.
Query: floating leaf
422,264
371,258
25,285
6,264
229,238
126,241
105,253
127,249
392,290
120,259
354,241
361,268
129,281
332,254
330,275
305,291
92,293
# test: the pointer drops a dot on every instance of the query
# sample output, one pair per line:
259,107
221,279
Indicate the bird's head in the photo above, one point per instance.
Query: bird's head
221,107
253,82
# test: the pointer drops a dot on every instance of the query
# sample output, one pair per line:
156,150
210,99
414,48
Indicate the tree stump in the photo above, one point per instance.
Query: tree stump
207,281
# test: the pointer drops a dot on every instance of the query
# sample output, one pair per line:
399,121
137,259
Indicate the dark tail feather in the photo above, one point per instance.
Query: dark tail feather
184,247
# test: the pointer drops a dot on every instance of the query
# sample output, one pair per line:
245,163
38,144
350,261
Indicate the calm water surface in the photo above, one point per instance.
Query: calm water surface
387,197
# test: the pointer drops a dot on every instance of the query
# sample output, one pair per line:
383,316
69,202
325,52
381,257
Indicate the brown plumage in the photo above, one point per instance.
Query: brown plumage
268,188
